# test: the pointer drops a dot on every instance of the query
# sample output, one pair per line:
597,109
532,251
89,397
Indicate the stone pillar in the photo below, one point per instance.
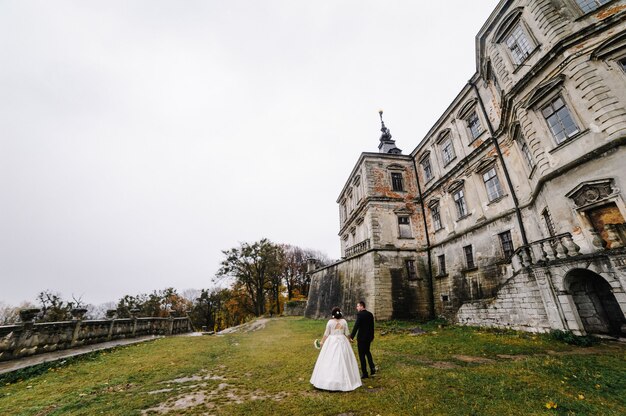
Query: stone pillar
133,315
77,316
170,322
111,313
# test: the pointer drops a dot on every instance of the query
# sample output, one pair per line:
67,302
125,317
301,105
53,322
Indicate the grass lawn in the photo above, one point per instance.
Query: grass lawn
447,371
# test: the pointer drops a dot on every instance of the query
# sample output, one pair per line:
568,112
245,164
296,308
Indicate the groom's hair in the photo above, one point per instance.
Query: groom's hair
362,303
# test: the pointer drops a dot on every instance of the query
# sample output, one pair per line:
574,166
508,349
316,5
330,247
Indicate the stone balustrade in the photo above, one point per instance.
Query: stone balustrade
560,246
30,338
358,248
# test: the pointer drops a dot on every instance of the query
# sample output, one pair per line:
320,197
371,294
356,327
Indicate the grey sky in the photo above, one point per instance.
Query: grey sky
138,139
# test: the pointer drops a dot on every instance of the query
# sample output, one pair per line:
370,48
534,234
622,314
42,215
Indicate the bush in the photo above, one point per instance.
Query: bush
569,338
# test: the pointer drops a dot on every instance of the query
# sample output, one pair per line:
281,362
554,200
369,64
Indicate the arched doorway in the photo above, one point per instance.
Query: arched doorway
597,307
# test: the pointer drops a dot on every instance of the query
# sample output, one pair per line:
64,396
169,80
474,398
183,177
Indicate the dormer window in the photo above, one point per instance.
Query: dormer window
590,5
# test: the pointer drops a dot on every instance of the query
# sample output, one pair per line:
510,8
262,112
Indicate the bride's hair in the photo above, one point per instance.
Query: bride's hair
336,313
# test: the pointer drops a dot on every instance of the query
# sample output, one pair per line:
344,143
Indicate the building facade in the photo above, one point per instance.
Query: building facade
510,211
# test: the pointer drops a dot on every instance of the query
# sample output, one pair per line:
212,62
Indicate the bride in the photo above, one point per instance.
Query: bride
336,367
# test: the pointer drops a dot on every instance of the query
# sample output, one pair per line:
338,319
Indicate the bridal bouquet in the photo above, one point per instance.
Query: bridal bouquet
317,344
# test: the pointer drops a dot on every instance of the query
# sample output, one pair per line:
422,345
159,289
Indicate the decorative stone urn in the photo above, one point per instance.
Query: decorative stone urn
78,313
111,313
134,312
28,315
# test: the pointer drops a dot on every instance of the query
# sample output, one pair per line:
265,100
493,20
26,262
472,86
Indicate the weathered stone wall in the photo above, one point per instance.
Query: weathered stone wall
295,308
342,284
518,305
18,341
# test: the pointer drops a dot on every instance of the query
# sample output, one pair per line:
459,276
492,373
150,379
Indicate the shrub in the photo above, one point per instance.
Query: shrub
569,338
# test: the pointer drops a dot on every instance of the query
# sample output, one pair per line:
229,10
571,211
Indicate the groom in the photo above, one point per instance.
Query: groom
364,325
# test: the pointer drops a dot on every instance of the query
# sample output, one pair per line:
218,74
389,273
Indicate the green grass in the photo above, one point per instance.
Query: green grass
447,371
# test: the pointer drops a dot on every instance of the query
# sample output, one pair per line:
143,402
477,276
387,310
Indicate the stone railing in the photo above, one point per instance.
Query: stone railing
30,338
543,251
358,248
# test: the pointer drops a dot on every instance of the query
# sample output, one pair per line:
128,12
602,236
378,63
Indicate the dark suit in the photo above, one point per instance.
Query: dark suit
364,325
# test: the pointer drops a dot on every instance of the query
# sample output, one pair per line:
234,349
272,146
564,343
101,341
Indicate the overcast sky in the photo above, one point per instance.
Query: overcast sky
138,139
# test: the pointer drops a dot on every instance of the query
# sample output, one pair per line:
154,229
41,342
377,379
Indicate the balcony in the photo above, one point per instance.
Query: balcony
562,246
358,248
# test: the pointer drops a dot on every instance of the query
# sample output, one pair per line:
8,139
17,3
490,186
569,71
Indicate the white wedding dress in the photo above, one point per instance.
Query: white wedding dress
336,367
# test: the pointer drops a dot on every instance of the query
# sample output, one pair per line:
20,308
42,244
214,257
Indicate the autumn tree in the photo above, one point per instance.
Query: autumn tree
252,265
294,269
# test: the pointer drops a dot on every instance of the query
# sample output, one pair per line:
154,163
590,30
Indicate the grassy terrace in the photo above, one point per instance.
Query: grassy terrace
447,371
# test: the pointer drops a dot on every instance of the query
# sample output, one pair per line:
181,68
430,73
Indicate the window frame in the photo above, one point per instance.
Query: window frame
548,222
407,226
462,206
541,108
428,173
469,257
496,181
397,182
436,209
474,133
507,252
585,12
504,32
441,265
527,44
447,143
410,269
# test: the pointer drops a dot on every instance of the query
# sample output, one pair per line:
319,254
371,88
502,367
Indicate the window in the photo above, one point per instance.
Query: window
428,172
447,151
622,64
547,218
441,260
492,183
434,212
530,161
343,211
410,269
396,181
590,5
473,123
559,120
469,257
404,227
507,244
519,44
459,201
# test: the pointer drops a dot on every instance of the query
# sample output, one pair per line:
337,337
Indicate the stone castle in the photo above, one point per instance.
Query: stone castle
510,211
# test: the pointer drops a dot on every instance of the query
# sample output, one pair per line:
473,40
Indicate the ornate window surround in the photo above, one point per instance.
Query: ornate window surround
591,194
508,24
543,94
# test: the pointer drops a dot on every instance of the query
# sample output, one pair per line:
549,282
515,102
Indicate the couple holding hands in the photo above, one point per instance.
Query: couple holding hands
336,367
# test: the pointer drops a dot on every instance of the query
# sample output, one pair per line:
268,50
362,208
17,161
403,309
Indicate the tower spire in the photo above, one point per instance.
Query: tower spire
386,145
